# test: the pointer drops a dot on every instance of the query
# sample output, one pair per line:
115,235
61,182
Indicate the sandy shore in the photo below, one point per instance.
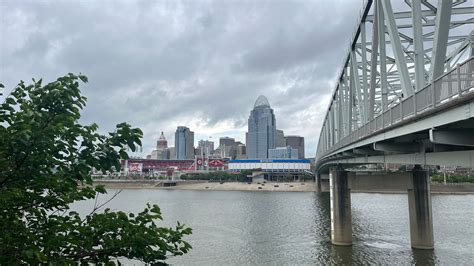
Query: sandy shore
226,186
238,186
269,186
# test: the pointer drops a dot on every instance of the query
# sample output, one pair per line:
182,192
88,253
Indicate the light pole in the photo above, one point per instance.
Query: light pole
444,174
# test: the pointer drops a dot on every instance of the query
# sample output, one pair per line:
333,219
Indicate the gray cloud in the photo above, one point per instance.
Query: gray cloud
159,64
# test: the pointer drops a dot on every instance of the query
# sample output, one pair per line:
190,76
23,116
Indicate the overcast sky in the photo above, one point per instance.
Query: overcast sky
202,64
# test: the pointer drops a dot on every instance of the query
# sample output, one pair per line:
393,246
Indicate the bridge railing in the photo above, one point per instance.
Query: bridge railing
455,83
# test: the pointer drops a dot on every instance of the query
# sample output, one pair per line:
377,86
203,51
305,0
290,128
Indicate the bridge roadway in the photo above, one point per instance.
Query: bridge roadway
404,95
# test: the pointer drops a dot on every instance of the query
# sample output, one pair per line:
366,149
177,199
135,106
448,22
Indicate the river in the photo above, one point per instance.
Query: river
255,227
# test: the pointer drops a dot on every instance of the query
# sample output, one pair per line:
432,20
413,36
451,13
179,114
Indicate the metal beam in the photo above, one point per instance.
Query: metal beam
455,11
404,147
418,43
356,82
351,104
373,63
340,131
397,49
383,65
332,131
438,56
364,72
452,158
364,151
458,137
428,5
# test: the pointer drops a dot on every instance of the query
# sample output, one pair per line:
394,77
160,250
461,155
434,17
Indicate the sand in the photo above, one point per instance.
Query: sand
226,186
238,186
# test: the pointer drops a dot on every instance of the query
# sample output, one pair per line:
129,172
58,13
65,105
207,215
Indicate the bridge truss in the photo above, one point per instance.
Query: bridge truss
405,60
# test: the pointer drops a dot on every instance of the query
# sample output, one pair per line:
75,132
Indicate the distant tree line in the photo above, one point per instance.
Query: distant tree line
221,176
450,178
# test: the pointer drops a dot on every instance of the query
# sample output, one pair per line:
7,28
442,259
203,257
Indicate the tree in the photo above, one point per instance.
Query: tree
46,158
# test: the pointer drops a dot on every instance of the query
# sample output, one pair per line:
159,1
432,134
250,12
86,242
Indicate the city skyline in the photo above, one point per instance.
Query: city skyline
262,140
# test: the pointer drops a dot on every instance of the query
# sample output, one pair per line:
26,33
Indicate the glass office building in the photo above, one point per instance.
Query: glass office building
283,153
261,135
184,143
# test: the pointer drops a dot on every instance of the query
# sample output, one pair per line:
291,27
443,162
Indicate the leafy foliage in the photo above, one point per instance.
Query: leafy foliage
450,178
46,158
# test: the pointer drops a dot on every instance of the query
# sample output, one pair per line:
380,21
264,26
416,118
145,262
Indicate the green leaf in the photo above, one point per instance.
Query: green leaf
83,78
101,189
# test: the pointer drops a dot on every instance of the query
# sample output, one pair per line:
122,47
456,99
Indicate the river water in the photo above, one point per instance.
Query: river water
255,227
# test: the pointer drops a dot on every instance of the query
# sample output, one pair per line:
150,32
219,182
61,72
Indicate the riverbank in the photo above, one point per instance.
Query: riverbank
239,186
204,185
268,186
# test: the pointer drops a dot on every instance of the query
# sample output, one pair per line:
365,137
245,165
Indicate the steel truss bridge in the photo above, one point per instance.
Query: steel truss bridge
405,92
404,95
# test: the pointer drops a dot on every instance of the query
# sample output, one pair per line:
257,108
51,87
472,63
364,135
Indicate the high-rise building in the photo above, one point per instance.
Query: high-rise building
229,148
184,143
162,143
172,153
280,138
226,141
161,152
261,129
296,142
205,147
241,152
206,144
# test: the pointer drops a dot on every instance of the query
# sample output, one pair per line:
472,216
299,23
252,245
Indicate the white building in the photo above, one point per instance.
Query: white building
271,165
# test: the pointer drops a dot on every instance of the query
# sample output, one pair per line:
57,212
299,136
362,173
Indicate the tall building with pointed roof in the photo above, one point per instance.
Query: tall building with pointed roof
162,143
161,152
261,134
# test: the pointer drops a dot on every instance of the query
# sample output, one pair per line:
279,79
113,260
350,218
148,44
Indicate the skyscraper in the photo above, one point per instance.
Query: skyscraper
162,143
184,143
205,147
226,141
280,138
161,152
261,134
296,142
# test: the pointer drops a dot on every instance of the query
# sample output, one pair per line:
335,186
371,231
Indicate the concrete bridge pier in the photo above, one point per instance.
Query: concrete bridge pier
341,217
419,203
318,183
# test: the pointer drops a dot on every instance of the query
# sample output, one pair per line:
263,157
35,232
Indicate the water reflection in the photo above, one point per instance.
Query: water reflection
424,257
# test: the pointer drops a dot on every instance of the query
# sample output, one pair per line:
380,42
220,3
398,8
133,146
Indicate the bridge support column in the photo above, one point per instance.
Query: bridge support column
318,183
419,203
341,217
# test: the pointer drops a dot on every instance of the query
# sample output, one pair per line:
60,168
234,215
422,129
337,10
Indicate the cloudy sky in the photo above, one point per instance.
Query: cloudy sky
202,64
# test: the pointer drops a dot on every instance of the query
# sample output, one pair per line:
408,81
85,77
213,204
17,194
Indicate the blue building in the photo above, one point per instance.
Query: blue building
184,143
261,135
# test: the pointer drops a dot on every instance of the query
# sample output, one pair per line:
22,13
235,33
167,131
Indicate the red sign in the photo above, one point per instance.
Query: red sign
216,163
199,161
135,167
